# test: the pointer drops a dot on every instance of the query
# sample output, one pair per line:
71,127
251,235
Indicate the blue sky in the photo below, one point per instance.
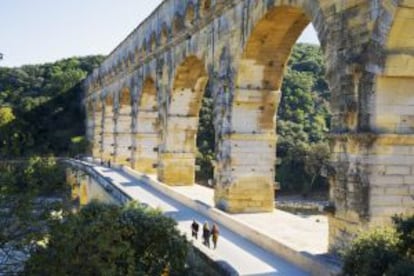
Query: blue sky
37,31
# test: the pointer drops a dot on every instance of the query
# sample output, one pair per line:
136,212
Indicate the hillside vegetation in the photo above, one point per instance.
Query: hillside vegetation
40,111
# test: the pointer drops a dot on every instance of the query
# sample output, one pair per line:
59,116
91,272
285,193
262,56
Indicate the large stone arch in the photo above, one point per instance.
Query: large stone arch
250,168
146,136
123,127
177,160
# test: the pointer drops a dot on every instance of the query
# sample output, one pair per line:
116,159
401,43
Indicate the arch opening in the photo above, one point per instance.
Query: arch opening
206,140
164,35
205,7
90,123
190,15
178,156
97,110
255,105
146,138
153,42
137,53
178,24
144,49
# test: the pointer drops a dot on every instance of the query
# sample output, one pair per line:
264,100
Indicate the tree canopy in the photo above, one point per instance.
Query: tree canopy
109,240
303,121
40,107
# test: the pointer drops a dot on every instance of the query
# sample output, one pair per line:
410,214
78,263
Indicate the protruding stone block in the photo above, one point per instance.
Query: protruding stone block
177,169
249,194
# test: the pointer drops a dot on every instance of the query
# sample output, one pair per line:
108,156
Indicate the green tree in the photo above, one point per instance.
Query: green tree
110,240
8,135
45,101
382,251
303,121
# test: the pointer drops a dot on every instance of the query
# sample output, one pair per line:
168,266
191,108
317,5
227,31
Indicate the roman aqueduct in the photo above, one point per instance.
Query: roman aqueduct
143,102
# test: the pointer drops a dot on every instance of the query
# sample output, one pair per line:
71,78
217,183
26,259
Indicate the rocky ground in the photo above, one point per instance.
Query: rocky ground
299,205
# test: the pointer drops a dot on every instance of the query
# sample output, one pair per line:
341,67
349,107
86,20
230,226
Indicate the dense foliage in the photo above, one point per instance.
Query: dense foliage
303,121
40,111
205,140
110,240
383,251
30,193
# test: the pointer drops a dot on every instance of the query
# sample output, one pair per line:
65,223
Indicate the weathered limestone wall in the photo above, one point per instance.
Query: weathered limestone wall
393,103
240,49
373,166
147,136
96,135
78,182
123,129
373,182
86,189
97,193
392,177
108,129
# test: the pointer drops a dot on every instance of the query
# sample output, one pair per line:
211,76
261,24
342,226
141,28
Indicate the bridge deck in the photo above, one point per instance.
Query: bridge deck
302,233
244,256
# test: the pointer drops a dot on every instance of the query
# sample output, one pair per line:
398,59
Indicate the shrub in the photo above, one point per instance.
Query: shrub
386,251
110,240
372,253
405,228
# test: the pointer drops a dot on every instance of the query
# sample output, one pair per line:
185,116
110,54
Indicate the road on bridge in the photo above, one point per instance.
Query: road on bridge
244,256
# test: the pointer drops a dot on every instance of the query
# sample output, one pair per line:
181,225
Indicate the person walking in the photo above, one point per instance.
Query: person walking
194,229
215,233
206,234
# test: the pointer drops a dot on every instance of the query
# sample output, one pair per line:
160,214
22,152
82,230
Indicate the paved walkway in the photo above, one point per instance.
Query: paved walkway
244,256
302,233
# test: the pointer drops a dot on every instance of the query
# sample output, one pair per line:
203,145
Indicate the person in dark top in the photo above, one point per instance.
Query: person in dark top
194,229
206,234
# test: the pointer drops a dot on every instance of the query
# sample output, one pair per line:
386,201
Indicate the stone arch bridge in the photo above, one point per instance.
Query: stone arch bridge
143,102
